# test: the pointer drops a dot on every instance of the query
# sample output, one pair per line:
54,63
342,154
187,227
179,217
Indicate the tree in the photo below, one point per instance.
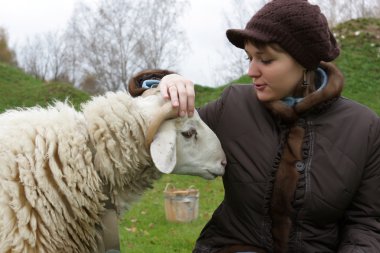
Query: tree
117,38
33,58
162,42
338,11
44,57
234,62
91,85
105,44
7,55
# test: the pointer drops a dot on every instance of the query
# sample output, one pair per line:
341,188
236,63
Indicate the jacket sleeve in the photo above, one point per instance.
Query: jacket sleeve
361,230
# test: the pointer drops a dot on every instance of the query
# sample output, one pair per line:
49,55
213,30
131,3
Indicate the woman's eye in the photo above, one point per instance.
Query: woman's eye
190,133
266,61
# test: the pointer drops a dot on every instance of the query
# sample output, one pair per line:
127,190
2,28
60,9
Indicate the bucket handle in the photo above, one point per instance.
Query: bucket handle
169,185
173,187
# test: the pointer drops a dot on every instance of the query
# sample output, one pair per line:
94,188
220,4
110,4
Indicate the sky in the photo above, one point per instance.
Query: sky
203,23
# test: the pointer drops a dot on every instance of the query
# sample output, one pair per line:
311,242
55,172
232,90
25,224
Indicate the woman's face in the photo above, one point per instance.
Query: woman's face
275,73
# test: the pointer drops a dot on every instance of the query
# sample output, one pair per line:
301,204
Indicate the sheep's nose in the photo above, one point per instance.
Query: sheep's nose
224,163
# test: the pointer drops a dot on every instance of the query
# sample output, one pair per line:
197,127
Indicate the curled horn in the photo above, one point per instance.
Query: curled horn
165,112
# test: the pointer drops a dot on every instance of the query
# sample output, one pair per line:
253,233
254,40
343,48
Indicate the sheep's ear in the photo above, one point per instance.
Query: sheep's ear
163,151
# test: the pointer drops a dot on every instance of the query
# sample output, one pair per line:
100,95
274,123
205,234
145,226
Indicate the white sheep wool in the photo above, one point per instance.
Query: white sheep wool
59,166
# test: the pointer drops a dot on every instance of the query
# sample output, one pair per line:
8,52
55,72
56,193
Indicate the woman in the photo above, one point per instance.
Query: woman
303,169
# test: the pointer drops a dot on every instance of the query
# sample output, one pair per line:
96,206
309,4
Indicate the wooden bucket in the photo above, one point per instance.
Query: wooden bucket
181,205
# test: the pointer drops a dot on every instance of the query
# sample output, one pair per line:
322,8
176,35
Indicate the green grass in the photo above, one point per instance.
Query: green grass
360,60
362,76
18,89
144,228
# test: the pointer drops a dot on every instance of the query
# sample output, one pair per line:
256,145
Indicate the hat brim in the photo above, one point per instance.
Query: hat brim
238,37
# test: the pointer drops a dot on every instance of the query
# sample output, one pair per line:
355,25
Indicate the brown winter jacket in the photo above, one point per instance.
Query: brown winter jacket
336,203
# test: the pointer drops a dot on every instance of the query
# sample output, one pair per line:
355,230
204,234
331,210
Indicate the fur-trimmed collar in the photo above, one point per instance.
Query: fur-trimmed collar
333,89
286,177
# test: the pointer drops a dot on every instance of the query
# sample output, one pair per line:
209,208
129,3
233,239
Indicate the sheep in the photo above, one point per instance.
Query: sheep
63,171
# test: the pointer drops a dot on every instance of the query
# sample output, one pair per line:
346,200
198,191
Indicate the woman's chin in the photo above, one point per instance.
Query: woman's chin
264,97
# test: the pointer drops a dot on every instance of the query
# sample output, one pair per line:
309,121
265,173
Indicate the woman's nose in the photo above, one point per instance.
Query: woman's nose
253,70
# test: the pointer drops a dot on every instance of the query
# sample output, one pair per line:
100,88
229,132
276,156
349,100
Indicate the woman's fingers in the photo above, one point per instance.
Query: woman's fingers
164,91
180,91
173,94
190,98
182,95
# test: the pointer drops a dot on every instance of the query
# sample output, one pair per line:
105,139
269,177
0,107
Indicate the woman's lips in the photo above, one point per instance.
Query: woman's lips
259,86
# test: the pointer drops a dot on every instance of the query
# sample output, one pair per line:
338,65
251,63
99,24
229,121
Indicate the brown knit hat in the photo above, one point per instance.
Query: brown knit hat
296,25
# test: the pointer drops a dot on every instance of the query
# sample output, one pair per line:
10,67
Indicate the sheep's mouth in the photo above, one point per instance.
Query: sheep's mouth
213,174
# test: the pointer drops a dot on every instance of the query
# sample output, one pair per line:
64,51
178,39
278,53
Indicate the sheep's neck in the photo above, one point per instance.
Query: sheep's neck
118,124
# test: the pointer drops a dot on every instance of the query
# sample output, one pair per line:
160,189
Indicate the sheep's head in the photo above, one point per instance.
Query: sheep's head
187,146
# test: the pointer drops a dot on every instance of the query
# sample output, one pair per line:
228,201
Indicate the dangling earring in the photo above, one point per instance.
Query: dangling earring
305,82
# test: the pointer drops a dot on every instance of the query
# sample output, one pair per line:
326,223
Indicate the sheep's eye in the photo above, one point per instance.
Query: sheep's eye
189,133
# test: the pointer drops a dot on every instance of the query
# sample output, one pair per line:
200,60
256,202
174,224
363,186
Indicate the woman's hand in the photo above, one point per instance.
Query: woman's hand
180,91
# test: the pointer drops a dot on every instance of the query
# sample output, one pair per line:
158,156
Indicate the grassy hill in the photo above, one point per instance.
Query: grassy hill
18,89
144,228
360,60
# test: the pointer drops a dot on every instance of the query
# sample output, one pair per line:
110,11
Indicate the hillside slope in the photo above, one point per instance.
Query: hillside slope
18,89
360,60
